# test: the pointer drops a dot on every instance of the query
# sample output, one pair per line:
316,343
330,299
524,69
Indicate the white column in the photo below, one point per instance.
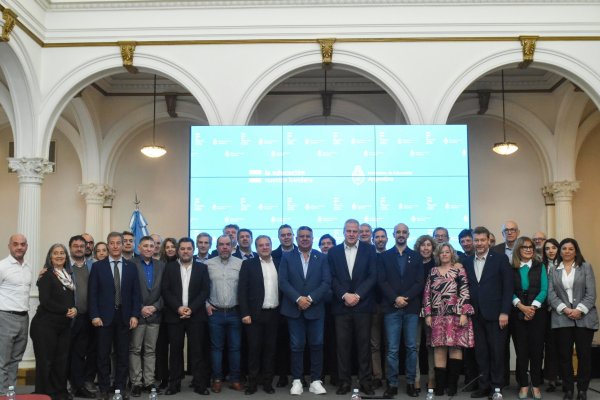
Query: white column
563,198
107,208
95,196
550,211
31,173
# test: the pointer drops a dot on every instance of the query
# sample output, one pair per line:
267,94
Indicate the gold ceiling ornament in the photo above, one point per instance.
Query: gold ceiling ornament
10,19
326,50
528,45
127,52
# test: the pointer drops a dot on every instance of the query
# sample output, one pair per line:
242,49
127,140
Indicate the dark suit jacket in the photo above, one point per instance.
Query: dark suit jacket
499,248
172,291
492,295
151,296
251,287
362,281
293,284
238,253
392,284
101,292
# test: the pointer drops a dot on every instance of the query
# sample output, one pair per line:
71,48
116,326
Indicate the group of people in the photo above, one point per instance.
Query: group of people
110,314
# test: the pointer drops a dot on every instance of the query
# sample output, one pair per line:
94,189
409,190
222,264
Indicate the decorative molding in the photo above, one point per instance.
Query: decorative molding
548,196
10,19
563,190
30,170
127,52
326,50
171,101
95,193
528,45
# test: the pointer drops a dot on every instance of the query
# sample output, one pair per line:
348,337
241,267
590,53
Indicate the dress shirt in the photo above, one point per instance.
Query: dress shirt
567,281
186,273
304,262
401,259
224,276
15,283
270,282
350,252
119,265
478,263
508,251
149,271
202,260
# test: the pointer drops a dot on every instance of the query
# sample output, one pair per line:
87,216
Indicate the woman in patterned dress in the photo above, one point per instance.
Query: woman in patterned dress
446,308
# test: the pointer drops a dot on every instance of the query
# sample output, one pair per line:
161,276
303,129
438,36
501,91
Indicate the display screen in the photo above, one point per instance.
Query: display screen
260,177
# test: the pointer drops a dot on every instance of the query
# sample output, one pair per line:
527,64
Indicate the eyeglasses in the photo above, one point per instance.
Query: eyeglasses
510,230
538,239
527,247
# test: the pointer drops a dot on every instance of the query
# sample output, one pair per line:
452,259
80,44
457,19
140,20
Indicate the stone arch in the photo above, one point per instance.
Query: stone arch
587,127
344,59
311,108
121,133
17,97
525,121
84,74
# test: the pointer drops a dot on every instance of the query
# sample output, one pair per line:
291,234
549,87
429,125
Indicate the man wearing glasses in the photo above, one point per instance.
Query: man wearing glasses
510,233
440,234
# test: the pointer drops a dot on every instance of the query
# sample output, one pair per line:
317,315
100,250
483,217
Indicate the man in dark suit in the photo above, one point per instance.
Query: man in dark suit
305,283
401,281
114,308
258,298
185,289
491,289
353,277
244,249
150,274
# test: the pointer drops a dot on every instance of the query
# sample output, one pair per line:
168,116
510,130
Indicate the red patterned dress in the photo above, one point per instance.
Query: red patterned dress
445,298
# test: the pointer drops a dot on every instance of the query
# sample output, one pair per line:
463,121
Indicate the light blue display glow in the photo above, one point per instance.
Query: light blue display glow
262,176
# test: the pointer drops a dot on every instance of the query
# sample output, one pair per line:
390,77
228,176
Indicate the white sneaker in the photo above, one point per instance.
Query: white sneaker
296,389
316,387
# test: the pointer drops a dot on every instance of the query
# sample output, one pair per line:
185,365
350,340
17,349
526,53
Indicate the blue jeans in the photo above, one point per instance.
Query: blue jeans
299,328
400,323
223,324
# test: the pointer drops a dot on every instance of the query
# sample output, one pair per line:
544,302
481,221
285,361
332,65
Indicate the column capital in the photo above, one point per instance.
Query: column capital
563,190
31,170
95,193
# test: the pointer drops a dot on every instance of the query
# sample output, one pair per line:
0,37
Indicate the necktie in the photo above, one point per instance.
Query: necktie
117,277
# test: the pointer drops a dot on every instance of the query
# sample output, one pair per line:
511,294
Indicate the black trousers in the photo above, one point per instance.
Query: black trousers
490,342
282,357
162,353
81,332
582,338
115,335
550,351
262,345
195,331
355,326
329,345
50,334
528,338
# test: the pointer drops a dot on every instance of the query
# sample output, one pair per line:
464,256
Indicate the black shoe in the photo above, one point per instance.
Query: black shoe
163,385
410,390
173,389
480,393
376,383
84,393
582,395
551,387
344,388
251,389
367,389
391,391
268,388
136,391
333,380
203,391
568,396
282,381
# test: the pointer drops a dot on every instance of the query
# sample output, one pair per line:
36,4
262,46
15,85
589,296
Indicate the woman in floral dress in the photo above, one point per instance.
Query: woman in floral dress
446,308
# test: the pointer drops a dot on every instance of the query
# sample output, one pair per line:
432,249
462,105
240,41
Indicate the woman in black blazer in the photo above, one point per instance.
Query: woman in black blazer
528,317
51,326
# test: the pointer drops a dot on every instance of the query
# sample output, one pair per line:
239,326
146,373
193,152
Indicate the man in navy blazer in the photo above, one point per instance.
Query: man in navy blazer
305,283
401,281
114,308
258,298
491,288
353,277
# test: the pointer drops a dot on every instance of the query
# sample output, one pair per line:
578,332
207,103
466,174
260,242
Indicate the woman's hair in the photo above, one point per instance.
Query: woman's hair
516,254
422,239
438,250
95,252
48,264
163,253
578,256
545,258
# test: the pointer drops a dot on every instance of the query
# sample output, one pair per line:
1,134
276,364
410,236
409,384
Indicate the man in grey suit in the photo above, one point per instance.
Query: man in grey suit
150,273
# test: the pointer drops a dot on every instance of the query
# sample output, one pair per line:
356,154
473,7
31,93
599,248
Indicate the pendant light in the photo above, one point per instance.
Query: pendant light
504,148
154,151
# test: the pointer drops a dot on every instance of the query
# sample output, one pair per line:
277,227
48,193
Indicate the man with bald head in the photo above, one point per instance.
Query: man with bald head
15,283
510,233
